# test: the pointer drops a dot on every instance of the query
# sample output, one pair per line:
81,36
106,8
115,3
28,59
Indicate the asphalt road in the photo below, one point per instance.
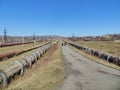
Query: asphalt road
84,74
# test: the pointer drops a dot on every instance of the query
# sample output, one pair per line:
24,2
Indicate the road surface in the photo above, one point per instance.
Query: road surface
84,74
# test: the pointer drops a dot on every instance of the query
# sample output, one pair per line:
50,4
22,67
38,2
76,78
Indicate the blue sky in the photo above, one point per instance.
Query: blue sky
60,17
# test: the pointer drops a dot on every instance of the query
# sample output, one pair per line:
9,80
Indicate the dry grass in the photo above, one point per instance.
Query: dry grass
96,59
4,62
9,49
105,46
46,74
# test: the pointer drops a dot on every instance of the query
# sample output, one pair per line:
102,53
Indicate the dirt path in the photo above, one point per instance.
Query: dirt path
84,74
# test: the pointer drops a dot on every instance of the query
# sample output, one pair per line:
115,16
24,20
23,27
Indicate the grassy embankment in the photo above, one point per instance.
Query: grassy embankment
15,48
105,46
98,47
9,49
46,74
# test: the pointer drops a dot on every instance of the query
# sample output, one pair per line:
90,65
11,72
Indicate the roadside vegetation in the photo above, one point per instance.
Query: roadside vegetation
105,46
46,74
96,59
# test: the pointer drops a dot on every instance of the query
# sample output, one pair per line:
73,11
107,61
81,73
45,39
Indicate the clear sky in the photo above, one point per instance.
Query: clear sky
60,17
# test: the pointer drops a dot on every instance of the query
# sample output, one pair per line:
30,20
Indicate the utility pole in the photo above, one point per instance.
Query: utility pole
33,36
5,35
73,37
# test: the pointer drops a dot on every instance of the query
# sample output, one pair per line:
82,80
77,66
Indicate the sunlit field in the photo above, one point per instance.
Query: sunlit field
105,46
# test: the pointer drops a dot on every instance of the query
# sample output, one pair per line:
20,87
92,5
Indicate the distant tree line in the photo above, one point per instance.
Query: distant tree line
107,37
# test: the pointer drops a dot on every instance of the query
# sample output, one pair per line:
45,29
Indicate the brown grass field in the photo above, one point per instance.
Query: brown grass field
105,46
46,74
9,49
4,62
18,47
